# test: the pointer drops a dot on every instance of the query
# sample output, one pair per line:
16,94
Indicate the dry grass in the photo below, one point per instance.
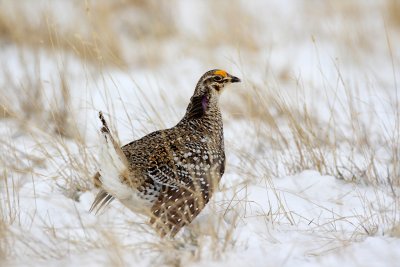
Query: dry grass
26,100
225,29
96,36
317,144
97,48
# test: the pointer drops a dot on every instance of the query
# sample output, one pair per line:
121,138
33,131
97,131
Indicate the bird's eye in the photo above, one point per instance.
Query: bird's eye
217,78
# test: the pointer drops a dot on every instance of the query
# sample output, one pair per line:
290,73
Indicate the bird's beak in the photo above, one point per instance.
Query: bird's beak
235,79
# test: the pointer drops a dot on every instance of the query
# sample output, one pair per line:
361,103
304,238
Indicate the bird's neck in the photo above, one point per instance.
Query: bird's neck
203,114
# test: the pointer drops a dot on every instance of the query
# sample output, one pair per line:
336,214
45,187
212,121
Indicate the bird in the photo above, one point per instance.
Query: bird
168,175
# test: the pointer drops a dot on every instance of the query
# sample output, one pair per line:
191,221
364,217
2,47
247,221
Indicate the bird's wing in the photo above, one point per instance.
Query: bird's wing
166,167
170,175
163,174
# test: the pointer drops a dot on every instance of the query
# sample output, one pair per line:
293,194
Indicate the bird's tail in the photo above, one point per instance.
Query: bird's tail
113,164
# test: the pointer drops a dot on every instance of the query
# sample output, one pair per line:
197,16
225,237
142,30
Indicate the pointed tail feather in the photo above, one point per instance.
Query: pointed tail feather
113,148
103,121
102,200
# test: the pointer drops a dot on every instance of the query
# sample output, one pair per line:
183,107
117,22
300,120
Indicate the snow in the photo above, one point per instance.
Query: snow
282,201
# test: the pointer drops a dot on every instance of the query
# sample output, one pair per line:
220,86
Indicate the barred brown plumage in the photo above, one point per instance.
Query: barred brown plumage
170,174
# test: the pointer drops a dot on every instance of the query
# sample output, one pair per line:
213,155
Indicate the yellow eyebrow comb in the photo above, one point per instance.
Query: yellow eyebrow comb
221,72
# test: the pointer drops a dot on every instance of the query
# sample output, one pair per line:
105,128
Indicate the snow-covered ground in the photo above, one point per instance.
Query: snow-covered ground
312,133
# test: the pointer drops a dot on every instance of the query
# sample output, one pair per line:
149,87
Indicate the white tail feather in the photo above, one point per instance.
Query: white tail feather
113,165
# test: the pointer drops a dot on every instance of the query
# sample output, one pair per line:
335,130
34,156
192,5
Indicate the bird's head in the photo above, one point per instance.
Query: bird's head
214,81
207,92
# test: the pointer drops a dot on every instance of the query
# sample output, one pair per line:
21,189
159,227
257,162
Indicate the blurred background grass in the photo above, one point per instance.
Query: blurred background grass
106,32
